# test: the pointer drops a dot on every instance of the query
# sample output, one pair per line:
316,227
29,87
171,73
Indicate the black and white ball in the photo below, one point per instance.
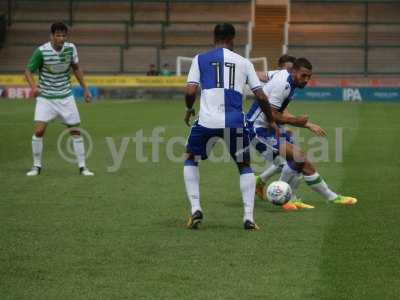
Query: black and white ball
279,192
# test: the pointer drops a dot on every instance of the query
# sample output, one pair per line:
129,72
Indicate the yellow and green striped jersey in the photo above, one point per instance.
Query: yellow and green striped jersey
54,69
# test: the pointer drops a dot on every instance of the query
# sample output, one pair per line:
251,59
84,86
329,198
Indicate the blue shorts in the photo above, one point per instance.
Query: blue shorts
202,139
265,142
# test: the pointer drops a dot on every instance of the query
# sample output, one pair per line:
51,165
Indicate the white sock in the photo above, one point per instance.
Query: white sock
287,173
192,181
294,184
37,150
248,187
273,169
316,182
79,149
269,172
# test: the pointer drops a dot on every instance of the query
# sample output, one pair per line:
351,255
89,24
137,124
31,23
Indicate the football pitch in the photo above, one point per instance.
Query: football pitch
122,235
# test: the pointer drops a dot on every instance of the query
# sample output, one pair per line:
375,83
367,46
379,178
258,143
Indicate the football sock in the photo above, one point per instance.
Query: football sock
79,149
248,187
295,183
316,182
37,150
192,178
287,173
269,172
273,169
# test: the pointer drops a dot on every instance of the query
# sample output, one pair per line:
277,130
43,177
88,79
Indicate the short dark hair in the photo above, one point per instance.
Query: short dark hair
286,58
302,63
59,26
224,32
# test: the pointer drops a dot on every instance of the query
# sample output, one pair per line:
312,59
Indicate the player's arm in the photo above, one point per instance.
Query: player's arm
79,76
265,106
193,81
263,102
190,98
32,83
292,120
261,98
287,118
262,76
278,93
34,64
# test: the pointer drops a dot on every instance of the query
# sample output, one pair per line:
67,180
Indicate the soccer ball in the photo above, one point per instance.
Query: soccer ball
279,192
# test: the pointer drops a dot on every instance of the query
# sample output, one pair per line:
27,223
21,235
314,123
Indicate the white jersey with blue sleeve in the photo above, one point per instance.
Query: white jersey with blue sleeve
222,75
271,74
279,90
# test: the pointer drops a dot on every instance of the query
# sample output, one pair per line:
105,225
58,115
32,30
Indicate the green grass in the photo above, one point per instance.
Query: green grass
122,235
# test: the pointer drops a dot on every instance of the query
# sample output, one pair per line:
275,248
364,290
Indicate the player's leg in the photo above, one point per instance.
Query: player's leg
267,145
68,111
44,113
273,169
294,203
37,148
294,181
191,176
79,149
294,185
238,144
278,162
297,162
247,183
196,149
264,142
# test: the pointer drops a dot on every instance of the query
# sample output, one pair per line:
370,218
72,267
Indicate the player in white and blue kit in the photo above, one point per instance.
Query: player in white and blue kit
280,90
222,76
285,62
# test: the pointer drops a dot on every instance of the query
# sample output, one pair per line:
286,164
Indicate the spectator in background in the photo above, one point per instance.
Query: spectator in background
165,70
152,71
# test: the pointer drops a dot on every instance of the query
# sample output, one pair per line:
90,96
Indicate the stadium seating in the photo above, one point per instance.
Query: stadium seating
14,59
27,33
384,35
327,34
133,35
100,59
210,12
3,7
42,10
336,41
101,10
92,34
326,12
384,60
138,59
384,12
149,34
136,34
332,60
199,34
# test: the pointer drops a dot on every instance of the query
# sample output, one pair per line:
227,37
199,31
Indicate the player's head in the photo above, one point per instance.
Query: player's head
302,72
224,33
286,62
58,34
